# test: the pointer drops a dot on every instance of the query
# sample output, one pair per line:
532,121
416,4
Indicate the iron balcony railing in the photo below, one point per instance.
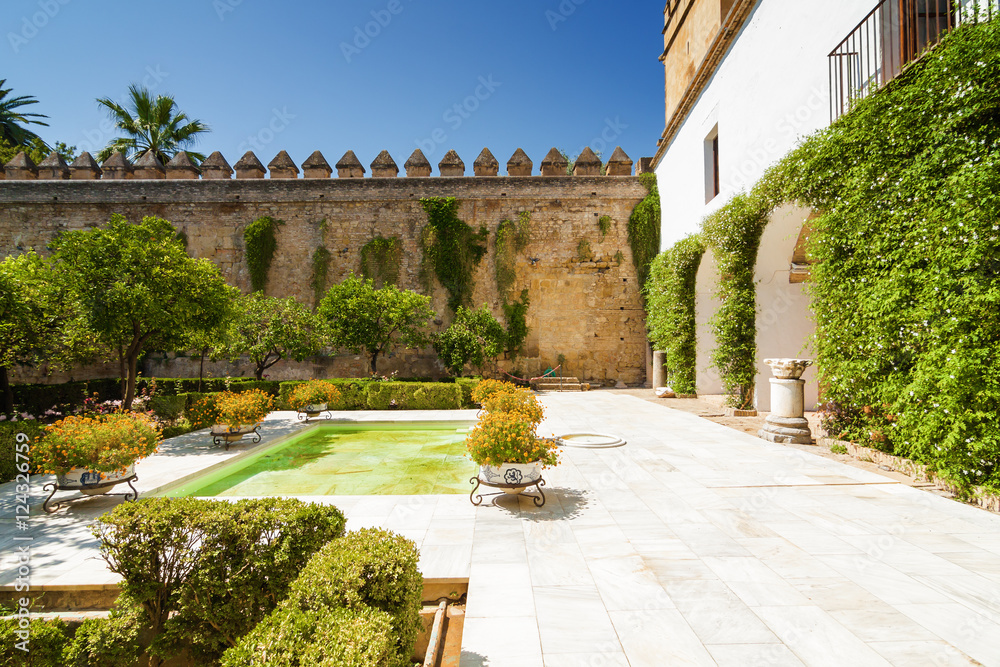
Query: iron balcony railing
895,33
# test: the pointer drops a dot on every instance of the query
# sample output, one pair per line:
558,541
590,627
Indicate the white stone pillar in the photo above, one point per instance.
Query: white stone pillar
659,372
786,423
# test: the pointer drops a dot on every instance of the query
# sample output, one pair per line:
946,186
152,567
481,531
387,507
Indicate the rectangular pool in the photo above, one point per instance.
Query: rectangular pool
375,458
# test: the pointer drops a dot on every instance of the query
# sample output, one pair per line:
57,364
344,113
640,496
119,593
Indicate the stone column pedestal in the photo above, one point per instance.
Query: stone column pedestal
786,424
659,372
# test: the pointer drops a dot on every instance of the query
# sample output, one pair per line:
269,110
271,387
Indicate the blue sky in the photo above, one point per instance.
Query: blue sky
367,75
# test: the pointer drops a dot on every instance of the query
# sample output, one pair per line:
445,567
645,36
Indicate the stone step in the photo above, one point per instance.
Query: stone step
567,384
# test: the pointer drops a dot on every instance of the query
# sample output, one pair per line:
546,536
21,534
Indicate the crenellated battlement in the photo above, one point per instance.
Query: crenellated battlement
249,166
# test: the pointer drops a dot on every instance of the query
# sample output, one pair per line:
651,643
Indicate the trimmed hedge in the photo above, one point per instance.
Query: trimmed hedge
404,395
370,567
8,444
206,572
48,640
291,637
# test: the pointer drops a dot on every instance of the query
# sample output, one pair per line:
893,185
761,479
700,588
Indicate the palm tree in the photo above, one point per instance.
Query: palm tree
151,124
11,131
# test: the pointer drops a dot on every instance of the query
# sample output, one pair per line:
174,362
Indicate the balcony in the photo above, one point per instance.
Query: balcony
895,33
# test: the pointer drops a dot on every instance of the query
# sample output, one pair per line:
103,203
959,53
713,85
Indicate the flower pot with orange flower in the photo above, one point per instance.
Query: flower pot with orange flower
504,444
93,454
240,414
311,399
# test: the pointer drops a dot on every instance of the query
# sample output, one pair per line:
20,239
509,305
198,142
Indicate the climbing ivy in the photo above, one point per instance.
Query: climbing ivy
260,242
604,225
644,228
451,249
583,251
670,300
905,283
320,273
512,237
516,313
381,259
733,232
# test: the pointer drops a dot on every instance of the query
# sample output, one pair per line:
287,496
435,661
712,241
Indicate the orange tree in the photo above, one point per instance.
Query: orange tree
136,287
375,320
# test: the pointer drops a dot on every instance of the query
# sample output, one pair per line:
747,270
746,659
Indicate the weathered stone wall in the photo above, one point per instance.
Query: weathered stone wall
589,310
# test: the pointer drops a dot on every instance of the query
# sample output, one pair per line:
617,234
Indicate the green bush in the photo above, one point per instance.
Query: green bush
8,444
206,572
413,396
370,567
670,303
290,637
168,407
47,640
352,394
467,385
644,228
35,399
107,642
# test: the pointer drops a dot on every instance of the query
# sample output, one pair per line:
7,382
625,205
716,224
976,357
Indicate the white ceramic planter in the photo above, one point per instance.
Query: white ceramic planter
230,434
519,475
314,409
91,483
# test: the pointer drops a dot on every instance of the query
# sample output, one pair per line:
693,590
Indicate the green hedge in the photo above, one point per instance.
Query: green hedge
370,568
206,572
291,637
670,302
404,395
8,444
48,640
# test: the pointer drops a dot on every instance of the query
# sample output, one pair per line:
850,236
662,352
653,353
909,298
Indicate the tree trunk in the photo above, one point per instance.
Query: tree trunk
133,375
122,373
374,361
258,371
8,395
201,367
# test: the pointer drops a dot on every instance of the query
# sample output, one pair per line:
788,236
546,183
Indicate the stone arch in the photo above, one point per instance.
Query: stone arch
784,322
706,304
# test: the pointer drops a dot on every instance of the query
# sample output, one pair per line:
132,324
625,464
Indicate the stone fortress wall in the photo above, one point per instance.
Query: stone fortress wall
586,306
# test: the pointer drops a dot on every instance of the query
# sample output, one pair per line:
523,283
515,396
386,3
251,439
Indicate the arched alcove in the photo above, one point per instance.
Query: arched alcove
784,323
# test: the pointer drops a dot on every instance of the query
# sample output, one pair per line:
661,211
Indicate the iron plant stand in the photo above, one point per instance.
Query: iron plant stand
477,499
49,509
223,439
308,416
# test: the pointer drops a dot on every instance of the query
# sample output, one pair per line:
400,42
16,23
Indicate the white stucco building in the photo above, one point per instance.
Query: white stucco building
745,80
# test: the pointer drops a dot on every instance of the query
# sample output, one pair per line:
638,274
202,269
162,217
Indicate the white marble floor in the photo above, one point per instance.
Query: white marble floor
692,545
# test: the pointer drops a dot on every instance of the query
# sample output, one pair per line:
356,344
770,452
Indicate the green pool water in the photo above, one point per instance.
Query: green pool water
349,460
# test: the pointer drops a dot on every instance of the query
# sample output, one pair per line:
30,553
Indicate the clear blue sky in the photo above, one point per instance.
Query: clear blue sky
546,72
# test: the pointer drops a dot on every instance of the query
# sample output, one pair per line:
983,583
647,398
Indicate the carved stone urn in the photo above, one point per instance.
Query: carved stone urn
787,424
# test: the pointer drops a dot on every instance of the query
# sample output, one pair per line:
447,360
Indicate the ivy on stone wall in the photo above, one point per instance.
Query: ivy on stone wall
644,228
451,250
584,252
260,242
516,313
604,225
512,238
670,302
320,274
381,259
